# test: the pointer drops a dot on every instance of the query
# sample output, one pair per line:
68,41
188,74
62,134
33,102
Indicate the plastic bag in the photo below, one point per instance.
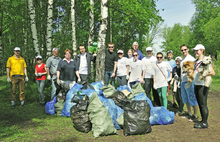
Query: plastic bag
49,107
125,87
120,120
97,86
117,97
142,96
89,92
59,107
136,118
100,118
108,90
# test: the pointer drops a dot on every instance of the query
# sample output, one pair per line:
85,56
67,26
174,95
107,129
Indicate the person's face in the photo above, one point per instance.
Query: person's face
149,53
82,49
159,58
135,55
135,47
170,56
67,55
178,62
129,53
39,61
184,50
120,55
111,48
197,53
55,53
17,52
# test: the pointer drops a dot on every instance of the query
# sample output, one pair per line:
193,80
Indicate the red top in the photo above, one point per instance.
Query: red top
40,69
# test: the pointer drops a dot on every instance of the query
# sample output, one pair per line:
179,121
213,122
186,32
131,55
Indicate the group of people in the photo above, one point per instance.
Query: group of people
154,73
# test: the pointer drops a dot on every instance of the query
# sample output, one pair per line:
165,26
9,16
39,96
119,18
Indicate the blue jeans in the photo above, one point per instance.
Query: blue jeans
54,89
108,75
132,83
40,87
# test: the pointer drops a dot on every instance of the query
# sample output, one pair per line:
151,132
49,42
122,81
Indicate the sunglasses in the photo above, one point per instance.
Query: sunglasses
120,53
17,51
148,51
135,55
39,59
110,47
183,50
159,57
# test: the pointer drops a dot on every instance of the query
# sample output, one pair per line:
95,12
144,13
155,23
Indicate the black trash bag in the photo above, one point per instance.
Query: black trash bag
84,83
61,91
136,117
79,115
118,97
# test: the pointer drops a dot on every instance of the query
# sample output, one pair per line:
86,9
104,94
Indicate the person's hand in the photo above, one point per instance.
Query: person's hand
79,80
113,74
168,79
48,77
94,55
39,74
155,86
141,81
127,77
58,81
26,79
8,79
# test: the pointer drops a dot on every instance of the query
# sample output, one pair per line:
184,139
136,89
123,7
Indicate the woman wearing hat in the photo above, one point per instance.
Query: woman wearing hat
40,73
201,91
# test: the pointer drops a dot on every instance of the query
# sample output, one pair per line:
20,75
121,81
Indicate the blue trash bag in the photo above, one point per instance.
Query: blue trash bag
124,87
49,107
161,116
89,92
97,86
112,110
68,104
142,96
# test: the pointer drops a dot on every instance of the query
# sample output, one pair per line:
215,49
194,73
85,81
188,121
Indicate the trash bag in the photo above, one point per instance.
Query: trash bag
80,117
59,107
68,104
120,120
136,117
142,96
100,118
161,116
124,87
89,92
49,107
97,86
117,97
108,90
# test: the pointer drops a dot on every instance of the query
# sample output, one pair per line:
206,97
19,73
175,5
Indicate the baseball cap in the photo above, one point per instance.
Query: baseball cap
17,48
55,49
39,56
198,47
135,43
169,51
149,49
178,58
120,51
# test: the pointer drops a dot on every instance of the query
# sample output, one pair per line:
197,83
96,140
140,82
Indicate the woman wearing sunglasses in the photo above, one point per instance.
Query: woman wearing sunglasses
40,73
136,70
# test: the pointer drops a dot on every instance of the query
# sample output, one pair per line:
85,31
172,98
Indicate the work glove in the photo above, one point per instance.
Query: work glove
9,79
26,79
48,77
94,55
79,80
155,86
39,74
127,77
58,81
168,79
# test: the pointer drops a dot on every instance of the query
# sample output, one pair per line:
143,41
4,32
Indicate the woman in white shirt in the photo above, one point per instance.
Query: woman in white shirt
122,68
201,91
130,59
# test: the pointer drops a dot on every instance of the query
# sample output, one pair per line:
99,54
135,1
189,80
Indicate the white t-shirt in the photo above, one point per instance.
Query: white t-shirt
160,79
130,60
83,68
147,65
122,66
184,75
196,76
136,71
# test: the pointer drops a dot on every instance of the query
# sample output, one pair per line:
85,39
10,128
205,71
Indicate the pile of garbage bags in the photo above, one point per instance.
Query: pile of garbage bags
104,109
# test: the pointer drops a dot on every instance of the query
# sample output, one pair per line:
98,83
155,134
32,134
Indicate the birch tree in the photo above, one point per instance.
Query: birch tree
31,10
100,61
49,26
91,24
73,27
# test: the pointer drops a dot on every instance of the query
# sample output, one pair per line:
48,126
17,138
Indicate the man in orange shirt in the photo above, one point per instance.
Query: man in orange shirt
16,69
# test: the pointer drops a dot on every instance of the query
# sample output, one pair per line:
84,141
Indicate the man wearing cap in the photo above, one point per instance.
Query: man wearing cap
111,59
51,67
135,48
172,64
83,62
147,76
16,69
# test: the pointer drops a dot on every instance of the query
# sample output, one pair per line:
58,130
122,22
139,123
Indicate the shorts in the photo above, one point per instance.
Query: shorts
188,95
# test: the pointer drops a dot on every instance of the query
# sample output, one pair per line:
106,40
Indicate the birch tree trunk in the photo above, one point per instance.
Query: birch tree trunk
49,26
31,10
1,48
73,27
100,61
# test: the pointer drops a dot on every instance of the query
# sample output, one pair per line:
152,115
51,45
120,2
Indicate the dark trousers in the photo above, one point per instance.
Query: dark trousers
17,81
201,93
84,77
148,86
179,100
121,80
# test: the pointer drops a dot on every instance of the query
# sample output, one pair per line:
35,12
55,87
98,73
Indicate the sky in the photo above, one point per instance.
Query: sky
175,11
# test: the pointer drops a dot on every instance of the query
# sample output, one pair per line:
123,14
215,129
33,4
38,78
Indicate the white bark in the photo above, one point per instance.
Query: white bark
49,26
100,62
1,48
31,10
73,27
91,24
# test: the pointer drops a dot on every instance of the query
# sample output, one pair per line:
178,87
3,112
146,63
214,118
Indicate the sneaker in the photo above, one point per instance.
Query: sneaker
178,113
175,105
24,105
201,126
193,118
12,106
197,123
186,116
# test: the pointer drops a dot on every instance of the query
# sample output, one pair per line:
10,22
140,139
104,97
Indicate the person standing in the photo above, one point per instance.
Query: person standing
201,91
66,70
130,59
135,48
40,73
188,95
148,63
16,69
83,63
111,59
122,68
160,73
51,68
